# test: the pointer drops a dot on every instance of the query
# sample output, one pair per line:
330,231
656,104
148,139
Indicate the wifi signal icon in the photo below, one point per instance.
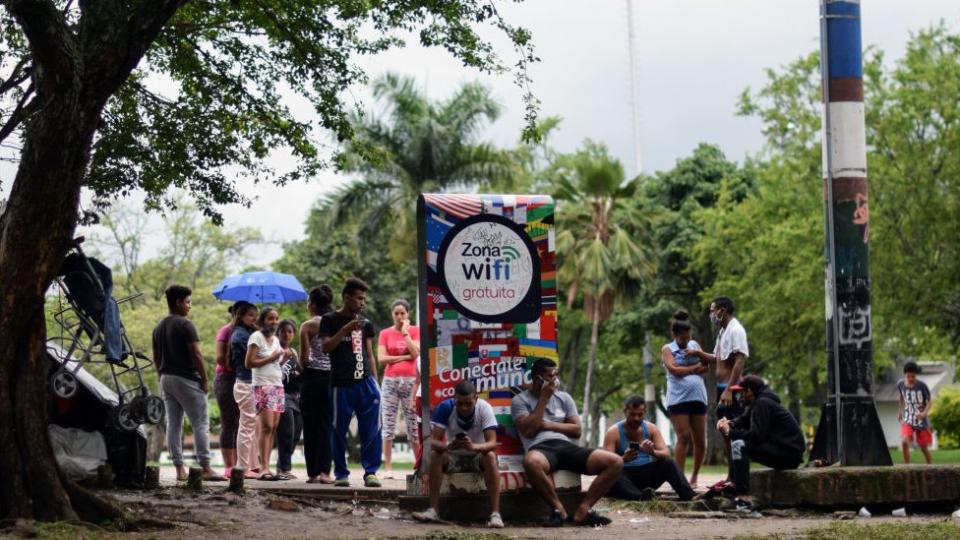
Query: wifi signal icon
510,253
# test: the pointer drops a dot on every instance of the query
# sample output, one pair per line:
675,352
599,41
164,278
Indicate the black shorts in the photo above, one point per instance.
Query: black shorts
564,455
692,408
724,411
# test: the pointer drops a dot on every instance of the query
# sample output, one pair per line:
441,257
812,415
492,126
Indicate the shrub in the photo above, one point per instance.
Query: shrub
945,416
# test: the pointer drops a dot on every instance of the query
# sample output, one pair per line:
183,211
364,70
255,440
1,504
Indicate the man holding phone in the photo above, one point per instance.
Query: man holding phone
463,439
547,420
646,458
348,338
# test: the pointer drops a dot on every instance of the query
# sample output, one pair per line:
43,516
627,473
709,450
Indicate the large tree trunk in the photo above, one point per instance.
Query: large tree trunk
35,232
76,69
591,360
38,222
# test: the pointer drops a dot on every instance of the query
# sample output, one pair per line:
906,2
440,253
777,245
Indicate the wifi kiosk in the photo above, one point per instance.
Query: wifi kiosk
487,295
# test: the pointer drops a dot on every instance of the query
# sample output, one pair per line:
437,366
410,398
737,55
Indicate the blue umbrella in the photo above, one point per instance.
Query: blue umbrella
261,288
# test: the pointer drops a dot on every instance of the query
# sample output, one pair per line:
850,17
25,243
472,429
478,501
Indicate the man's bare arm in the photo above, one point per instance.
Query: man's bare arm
371,359
569,427
737,371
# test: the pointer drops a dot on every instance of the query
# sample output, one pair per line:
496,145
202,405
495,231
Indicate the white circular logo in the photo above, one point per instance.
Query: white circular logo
488,267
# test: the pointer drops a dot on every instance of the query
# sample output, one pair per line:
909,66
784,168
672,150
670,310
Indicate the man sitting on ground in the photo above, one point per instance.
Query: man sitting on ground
464,437
766,433
547,420
646,458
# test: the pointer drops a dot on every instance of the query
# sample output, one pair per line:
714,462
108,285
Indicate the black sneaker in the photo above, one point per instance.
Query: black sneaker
648,494
555,519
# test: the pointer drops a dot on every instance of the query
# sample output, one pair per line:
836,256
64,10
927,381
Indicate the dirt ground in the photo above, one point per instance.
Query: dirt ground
177,513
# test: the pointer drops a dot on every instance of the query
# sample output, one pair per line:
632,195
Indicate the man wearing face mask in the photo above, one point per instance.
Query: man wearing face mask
729,354
547,420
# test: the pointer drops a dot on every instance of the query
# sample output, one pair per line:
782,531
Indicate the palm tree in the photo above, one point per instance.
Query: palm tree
414,146
601,257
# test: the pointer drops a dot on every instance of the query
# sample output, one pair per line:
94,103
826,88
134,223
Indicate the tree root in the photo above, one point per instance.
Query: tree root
93,508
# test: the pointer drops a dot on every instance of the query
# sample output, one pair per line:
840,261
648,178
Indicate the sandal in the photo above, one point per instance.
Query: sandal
214,478
555,519
267,477
320,480
593,519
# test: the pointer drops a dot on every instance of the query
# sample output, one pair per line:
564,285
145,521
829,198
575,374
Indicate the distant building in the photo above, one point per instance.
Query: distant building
936,375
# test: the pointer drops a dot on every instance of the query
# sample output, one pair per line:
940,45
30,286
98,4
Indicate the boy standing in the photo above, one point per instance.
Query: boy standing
912,413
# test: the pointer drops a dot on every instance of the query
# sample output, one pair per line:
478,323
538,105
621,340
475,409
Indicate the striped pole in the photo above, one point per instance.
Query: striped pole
849,430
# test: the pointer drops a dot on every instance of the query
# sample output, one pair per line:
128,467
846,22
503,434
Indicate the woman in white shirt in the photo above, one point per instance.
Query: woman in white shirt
264,353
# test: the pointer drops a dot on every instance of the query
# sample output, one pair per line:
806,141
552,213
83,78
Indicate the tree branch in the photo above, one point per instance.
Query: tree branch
17,76
147,21
53,49
19,113
113,49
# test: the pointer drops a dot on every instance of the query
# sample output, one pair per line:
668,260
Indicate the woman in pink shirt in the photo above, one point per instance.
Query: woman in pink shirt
398,350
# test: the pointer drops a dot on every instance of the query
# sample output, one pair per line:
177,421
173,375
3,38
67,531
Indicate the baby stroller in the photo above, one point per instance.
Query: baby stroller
90,332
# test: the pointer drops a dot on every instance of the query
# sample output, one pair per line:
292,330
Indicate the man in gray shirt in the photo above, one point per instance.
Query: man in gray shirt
547,420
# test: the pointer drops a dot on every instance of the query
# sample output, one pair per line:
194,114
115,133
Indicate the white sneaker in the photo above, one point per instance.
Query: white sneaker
495,521
430,516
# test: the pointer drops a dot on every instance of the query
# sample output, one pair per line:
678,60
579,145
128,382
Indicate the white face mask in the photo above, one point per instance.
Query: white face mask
716,319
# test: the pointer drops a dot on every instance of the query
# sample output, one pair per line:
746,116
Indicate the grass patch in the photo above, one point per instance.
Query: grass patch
946,456
57,530
658,507
845,530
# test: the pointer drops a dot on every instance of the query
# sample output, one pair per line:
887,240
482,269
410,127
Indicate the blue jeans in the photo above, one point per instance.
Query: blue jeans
363,399
182,395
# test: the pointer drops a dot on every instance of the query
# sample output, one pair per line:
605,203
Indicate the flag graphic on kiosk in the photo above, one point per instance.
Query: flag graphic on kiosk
488,299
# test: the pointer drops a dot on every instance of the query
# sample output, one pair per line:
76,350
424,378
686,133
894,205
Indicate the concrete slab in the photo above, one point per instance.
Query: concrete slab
473,483
852,487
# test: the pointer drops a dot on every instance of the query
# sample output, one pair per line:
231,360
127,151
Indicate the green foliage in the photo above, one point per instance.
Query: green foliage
766,248
914,133
945,416
416,146
331,255
675,199
206,104
601,231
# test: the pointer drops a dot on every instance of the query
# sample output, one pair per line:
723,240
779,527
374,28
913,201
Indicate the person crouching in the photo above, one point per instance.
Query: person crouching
766,433
463,438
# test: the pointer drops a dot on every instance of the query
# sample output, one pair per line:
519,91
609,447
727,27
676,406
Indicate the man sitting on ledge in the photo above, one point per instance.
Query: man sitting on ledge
646,458
464,437
547,420
766,433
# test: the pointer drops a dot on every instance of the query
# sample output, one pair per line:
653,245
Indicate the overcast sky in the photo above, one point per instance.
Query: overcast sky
694,58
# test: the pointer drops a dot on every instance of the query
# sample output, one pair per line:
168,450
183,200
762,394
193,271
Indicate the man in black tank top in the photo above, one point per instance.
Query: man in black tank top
646,458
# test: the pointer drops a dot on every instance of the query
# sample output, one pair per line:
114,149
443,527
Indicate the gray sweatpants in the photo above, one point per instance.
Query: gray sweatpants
182,395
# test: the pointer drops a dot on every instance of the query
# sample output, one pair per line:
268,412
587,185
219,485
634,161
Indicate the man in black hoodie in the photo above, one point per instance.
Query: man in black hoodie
766,433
